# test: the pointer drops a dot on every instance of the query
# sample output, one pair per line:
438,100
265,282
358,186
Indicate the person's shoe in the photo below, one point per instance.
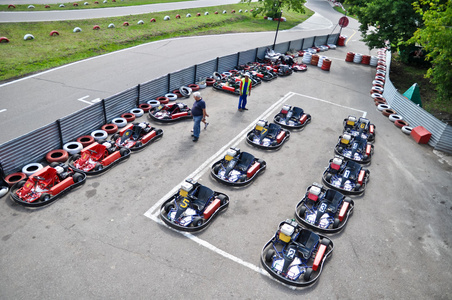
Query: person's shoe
245,108
192,135
195,139
191,130
240,109
205,126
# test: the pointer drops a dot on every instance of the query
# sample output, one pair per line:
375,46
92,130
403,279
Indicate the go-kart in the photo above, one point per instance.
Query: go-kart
292,117
299,67
361,127
346,176
136,136
46,185
354,148
228,85
193,207
170,112
237,168
324,210
97,158
295,255
267,136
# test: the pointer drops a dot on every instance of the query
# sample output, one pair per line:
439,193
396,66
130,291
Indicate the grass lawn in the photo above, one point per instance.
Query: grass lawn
19,57
90,4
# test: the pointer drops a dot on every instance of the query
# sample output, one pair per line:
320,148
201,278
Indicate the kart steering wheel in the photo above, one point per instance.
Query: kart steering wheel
39,178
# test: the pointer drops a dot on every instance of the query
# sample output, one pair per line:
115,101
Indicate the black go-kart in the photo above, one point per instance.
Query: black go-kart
193,207
354,148
267,136
292,117
237,168
171,112
346,176
361,127
324,210
136,136
295,255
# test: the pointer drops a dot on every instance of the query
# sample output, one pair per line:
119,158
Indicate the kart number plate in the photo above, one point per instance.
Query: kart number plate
184,203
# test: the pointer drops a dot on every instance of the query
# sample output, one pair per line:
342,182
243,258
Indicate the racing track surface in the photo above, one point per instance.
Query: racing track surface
102,241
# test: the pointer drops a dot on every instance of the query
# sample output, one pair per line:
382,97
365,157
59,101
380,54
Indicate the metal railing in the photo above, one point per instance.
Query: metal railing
33,146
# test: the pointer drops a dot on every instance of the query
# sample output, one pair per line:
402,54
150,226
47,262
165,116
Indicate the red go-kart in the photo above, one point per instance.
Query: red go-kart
44,186
136,136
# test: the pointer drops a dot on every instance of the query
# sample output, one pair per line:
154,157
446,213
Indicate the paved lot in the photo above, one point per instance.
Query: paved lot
102,241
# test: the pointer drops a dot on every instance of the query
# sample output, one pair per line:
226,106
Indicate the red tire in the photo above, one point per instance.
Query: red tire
125,24
85,140
11,179
163,100
179,95
54,32
145,107
4,39
128,116
110,128
96,27
387,112
400,123
58,155
378,102
194,87
210,81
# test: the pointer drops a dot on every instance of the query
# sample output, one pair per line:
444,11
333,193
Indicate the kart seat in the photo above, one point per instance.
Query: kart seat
201,196
305,242
245,160
297,113
273,130
136,132
334,198
354,169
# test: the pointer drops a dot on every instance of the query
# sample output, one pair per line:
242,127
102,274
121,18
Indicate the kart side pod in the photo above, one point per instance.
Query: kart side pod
368,149
178,115
228,88
371,129
61,186
129,126
361,176
253,169
303,118
343,211
111,158
211,208
149,136
280,136
318,257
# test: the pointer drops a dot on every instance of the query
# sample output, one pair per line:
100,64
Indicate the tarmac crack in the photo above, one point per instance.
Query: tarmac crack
71,86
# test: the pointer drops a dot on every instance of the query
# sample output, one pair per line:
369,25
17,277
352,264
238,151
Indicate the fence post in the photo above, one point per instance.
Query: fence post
302,44
217,63
104,109
196,73
60,134
255,54
168,84
138,92
238,59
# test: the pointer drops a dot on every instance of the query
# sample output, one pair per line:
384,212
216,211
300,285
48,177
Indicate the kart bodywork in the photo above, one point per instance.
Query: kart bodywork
267,136
193,207
295,255
237,168
46,185
324,210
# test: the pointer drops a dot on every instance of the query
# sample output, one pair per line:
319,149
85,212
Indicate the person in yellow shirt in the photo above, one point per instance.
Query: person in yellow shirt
245,90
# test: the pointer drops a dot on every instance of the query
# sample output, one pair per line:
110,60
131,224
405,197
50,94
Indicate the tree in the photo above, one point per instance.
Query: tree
436,39
272,8
385,20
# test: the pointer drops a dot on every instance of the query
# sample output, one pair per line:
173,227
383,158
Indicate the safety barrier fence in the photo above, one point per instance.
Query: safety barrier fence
441,138
33,146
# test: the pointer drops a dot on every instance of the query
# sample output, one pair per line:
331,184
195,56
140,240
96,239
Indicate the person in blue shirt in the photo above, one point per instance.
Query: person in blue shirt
245,90
199,114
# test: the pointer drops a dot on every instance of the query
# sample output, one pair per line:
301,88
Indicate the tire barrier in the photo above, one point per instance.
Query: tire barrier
177,93
152,20
138,112
388,112
166,18
75,4
217,76
120,122
376,95
177,16
11,6
54,32
163,100
128,116
315,59
400,123
62,5
225,12
358,58
47,6
326,64
206,13
111,25
381,73
77,29
320,62
350,56
187,15
125,24
198,14
96,27
99,135
30,169
185,91
171,96
307,57
383,107
373,61
141,22
381,78
216,13
4,39
31,7
73,147
377,82
194,87
378,102
365,60
407,129
376,89
341,40
145,107
28,37
59,155
226,74
395,117
86,3
13,178
153,103
210,81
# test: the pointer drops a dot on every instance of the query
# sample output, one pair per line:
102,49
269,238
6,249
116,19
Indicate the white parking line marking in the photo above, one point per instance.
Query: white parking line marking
205,167
2,110
89,102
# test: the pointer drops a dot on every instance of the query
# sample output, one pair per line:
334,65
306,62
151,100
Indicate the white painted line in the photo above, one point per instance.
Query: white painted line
96,100
2,110
83,100
199,172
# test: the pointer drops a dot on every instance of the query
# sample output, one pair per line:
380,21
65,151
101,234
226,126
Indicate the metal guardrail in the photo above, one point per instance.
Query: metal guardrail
416,116
33,146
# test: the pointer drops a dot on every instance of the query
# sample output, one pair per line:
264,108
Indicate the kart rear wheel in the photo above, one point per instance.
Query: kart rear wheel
98,167
20,184
222,198
326,242
44,197
336,223
115,137
77,177
328,177
54,164
216,169
307,274
243,178
357,187
269,255
123,151
138,144
75,157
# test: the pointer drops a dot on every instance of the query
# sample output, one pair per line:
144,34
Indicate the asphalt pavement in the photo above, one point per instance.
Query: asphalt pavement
104,240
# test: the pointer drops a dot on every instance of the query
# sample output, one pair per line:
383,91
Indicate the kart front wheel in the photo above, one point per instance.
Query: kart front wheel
168,207
269,255
336,223
44,197
123,151
302,211
77,177
307,274
197,221
98,167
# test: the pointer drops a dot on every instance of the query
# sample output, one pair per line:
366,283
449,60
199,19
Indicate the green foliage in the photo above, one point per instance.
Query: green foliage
436,38
382,20
273,8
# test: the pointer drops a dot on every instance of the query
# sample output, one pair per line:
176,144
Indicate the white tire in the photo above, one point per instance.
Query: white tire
30,169
73,147
99,135
395,117
138,112
171,96
120,122
407,129
3,190
77,29
28,36
381,107
153,103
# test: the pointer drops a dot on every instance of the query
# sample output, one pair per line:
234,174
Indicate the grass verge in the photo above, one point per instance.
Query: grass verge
19,57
